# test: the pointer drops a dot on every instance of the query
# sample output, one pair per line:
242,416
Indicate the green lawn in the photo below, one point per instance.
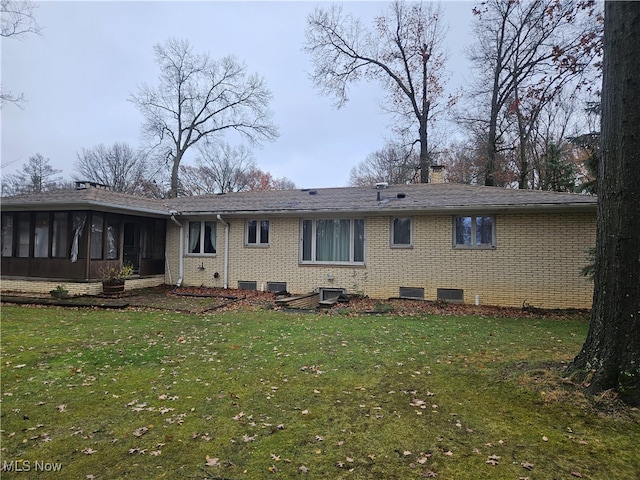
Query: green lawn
265,394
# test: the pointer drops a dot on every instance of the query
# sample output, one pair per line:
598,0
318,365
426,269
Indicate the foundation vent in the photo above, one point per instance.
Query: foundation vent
411,292
452,295
330,293
276,287
245,285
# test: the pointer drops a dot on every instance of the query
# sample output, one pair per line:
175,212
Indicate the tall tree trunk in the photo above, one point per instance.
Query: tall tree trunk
610,357
425,163
175,170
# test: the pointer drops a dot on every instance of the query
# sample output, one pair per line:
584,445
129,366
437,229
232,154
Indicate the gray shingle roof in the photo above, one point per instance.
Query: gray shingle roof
406,198
86,198
446,197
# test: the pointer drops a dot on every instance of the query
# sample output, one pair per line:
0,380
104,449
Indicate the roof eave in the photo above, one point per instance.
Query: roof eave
85,205
381,211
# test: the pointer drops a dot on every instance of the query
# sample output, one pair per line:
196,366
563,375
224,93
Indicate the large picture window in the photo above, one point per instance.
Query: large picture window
476,231
202,237
332,241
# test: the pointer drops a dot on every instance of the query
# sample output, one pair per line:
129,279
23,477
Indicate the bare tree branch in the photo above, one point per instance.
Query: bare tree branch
403,51
198,98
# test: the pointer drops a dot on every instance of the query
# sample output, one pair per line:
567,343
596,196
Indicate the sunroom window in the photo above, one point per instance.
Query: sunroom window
332,241
474,231
7,235
202,237
60,234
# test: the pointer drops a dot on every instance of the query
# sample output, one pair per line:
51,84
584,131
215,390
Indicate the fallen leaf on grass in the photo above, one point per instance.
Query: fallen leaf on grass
527,465
88,451
212,461
138,432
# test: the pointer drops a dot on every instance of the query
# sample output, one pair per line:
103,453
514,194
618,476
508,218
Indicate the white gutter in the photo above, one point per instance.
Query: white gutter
226,252
181,249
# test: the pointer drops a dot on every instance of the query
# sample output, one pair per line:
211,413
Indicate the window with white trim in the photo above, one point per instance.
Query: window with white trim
202,237
401,232
332,240
257,232
474,231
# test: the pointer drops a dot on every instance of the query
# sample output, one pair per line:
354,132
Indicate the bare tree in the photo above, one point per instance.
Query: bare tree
18,20
283,183
258,180
394,164
197,98
403,51
526,52
36,176
220,168
610,356
119,166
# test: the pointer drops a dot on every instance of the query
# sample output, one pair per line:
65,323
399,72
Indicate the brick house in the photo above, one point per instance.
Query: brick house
434,241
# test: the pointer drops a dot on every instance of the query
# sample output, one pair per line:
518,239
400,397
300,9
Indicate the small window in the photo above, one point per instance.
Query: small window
257,232
401,232
474,232
202,237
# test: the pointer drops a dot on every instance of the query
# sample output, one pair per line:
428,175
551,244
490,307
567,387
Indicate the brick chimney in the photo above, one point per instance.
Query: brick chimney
436,174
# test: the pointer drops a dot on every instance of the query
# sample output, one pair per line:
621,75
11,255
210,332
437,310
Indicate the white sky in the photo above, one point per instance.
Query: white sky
77,78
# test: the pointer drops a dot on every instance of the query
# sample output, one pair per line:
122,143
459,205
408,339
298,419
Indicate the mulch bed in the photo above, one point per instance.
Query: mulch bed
204,299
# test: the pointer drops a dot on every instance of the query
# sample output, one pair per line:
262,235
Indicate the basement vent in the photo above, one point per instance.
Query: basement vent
276,287
247,285
411,292
453,295
330,293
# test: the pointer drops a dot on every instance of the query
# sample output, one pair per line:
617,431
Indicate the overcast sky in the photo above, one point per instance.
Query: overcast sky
77,78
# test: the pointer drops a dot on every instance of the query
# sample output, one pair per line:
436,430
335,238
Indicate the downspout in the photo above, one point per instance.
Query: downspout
181,248
226,252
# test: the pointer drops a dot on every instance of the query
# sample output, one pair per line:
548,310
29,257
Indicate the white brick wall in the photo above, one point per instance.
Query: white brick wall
537,260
